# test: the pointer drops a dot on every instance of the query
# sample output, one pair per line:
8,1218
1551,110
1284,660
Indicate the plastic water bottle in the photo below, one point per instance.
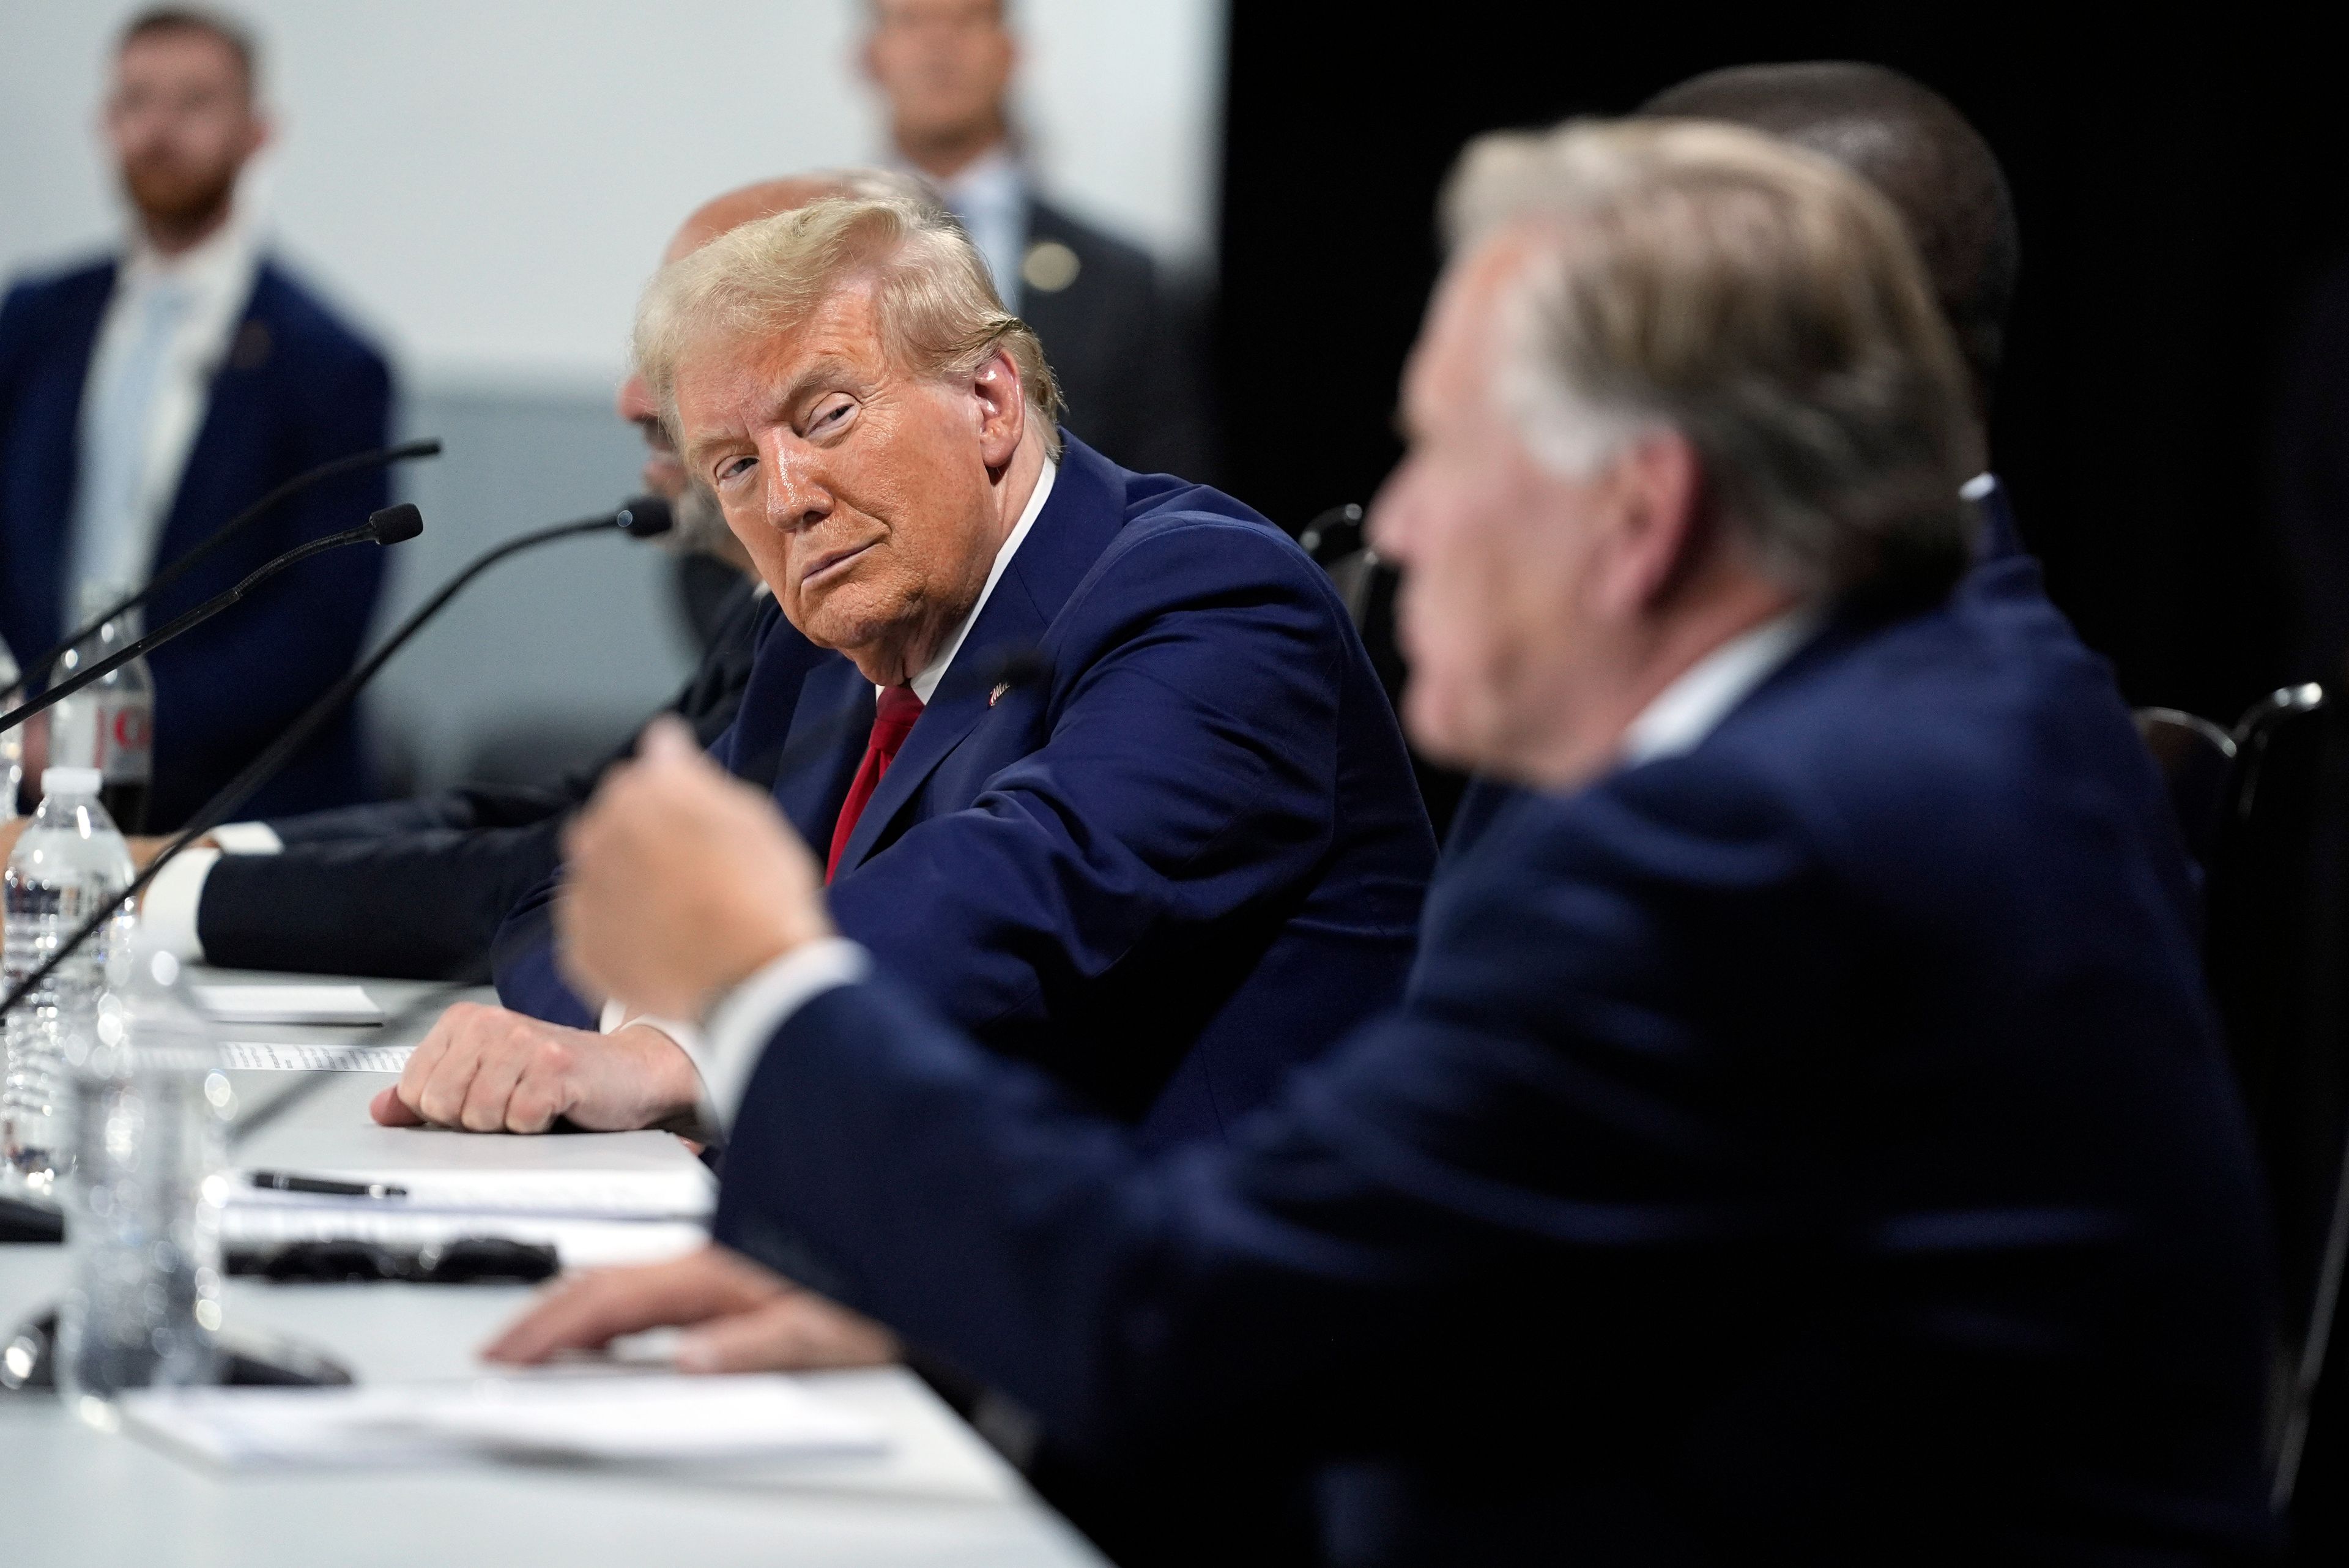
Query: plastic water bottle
143,1206
109,725
12,743
69,864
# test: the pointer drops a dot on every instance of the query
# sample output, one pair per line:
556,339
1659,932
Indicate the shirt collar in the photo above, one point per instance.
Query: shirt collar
991,179
927,680
1684,713
213,266
1979,486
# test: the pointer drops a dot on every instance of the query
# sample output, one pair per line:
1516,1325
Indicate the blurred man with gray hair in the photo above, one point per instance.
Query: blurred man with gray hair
1805,1140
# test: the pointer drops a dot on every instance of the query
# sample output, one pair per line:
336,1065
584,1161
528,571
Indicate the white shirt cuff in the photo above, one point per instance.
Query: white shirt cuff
616,1017
167,913
737,1030
247,838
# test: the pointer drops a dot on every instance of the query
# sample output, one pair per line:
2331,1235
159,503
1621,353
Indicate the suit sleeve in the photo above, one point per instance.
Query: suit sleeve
16,313
522,945
421,904
1529,1156
1187,779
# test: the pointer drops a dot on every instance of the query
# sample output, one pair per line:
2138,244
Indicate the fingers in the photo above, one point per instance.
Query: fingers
668,739
586,1311
485,1069
438,1091
392,1111
496,1074
794,1333
421,1062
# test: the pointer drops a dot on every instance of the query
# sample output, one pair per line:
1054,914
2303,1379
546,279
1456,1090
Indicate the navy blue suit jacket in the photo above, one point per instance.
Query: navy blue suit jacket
297,388
1188,857
1814,1146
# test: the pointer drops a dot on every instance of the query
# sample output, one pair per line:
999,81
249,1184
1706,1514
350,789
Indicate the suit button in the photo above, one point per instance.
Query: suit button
1051,266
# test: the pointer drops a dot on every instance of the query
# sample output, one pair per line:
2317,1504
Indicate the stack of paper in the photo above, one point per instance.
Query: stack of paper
288,1004
306,1056
640,1420
595,1197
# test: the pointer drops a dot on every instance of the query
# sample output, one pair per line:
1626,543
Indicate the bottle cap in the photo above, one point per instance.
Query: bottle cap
70,781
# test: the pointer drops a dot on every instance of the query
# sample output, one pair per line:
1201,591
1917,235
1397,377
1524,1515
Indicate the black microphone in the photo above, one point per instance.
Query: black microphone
259,771
645,517
430,446
391,525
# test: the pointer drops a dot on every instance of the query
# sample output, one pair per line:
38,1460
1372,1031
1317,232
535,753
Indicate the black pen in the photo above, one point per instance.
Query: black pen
285,1181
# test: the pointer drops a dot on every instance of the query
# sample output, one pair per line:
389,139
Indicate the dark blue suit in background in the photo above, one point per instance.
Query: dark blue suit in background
1815,1146
1186,858
297,388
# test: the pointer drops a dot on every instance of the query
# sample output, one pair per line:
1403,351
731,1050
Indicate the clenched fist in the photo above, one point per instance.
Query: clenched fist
681,882
486,1069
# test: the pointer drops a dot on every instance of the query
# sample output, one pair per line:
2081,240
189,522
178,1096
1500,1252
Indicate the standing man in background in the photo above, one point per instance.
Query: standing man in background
147,398
1123,345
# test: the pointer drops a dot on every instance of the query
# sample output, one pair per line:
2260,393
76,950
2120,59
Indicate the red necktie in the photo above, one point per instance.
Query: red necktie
892,721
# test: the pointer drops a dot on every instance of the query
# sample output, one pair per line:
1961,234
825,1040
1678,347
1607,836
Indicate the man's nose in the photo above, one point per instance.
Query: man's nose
796,494
1387,527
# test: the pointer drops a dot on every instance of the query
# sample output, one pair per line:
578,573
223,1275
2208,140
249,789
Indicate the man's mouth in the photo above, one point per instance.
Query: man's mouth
833,567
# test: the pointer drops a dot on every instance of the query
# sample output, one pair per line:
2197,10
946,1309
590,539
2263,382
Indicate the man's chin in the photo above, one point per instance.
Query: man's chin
847,627
1435,726
178,201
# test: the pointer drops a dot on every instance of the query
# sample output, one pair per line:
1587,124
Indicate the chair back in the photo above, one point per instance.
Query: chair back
2275,925
2197,759
1367,586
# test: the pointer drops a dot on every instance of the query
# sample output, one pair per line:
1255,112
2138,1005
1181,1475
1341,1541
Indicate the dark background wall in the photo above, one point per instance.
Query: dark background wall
2180,193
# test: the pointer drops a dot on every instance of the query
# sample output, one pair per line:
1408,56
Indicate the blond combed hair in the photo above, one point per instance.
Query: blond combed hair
935,308
1759,300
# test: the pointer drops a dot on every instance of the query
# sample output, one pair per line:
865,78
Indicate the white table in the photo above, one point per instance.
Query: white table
77,1495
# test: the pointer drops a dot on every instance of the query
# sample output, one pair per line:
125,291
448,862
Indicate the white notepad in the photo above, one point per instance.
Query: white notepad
640,1420
288,1004
639,1175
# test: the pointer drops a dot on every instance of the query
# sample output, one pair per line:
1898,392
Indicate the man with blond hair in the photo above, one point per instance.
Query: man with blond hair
1095,760
1806,1138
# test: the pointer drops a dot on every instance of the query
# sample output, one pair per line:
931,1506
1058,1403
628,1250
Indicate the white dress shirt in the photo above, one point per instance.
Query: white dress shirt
1677,719
168,325
723,1073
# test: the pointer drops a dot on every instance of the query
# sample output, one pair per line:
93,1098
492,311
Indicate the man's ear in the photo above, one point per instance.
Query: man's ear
1002,405
1655,523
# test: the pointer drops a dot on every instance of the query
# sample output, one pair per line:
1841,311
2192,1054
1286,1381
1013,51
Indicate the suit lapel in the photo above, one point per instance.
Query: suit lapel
832,721
236,405
1085,507
36,549
1008,624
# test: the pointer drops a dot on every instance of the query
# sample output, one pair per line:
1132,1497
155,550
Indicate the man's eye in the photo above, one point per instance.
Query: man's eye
833,414
733,468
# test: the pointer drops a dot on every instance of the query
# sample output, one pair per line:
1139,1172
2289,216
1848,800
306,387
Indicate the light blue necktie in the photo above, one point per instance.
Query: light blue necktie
112,543
995,217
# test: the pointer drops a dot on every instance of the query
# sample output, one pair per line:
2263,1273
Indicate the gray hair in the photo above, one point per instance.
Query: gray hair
937,307
1760,301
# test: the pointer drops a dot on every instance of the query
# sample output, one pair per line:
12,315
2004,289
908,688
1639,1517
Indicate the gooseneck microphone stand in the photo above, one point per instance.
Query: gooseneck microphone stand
428,446
392,525
641,518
